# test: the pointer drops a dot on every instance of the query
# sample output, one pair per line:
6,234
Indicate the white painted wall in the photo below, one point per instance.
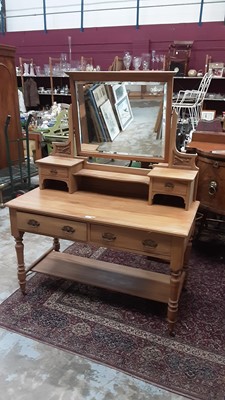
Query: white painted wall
27,15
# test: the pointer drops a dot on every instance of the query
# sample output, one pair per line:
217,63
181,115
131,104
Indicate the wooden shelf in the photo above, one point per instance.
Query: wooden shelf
114,176
133,281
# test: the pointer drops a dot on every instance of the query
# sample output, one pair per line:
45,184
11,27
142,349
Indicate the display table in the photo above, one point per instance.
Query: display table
123,223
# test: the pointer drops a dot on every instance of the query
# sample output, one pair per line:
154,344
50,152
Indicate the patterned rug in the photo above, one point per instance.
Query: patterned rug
130,334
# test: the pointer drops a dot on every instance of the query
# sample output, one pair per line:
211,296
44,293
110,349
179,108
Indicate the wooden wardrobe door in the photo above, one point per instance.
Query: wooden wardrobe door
9,103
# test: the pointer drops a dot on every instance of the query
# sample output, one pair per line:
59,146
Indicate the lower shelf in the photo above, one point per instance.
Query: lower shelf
120,278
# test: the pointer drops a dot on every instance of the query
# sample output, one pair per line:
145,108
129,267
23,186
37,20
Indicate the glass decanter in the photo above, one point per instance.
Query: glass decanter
127,58
136,63
145,61
153,59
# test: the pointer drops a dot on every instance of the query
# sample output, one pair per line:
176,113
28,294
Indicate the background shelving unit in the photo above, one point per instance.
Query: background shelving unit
215,98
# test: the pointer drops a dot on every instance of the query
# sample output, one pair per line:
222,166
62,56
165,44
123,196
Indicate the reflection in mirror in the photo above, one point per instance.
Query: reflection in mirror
123,118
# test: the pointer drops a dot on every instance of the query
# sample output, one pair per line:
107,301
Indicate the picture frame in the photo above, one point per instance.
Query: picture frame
216,69
99,94
96,96
110,119
208,115
119,91
124,112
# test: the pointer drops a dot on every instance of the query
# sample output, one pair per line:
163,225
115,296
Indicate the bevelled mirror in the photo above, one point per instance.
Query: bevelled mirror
122,114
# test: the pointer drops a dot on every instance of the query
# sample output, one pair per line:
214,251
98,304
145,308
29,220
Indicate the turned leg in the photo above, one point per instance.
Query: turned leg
21,272
56,244
172,310
186,261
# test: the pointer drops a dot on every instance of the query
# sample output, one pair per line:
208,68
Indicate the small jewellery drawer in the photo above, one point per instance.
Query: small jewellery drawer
170,186
54,172
148,242
54,227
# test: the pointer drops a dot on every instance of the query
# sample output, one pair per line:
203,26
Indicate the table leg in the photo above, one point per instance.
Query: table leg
21,272
172,310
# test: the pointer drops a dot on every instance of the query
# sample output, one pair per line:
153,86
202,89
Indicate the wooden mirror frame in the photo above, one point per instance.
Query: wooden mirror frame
89,150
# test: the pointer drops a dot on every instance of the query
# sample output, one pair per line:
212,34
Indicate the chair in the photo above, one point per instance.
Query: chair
117,64
189,102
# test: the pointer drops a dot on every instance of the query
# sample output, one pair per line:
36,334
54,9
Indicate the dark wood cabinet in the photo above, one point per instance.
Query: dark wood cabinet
9,103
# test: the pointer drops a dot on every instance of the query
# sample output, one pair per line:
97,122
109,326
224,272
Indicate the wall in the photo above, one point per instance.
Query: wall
104,43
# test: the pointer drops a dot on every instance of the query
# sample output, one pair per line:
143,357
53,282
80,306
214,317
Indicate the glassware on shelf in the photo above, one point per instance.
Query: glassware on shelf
32,73
127,58
162,61
89,67
26,69
136,63
63,57
153,59
18,71
46,69
157,62
38,70
63,63
145,61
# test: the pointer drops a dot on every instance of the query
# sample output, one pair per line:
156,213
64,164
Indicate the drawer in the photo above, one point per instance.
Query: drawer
55,227
131,239
54,172
170,186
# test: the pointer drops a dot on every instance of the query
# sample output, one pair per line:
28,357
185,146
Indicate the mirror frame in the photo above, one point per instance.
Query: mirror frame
88,150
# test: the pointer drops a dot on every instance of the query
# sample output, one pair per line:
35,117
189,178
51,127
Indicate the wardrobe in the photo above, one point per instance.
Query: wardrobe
9,103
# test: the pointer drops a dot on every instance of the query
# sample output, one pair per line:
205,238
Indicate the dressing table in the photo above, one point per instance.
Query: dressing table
86,195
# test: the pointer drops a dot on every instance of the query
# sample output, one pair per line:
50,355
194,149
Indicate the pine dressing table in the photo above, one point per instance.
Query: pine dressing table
82,198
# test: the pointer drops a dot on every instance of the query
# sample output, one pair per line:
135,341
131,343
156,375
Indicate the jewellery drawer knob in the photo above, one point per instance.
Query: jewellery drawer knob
108,237
33,223
53,171
68,229
169,185
149,243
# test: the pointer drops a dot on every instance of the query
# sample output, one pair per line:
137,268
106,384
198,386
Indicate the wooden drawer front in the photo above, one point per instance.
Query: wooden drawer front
54,227
170,186
54,172
149,242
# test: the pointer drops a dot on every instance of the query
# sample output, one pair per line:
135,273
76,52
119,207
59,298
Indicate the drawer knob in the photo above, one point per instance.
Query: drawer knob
54,171
149,243
169,185
108,237
68,229
33,223
213,187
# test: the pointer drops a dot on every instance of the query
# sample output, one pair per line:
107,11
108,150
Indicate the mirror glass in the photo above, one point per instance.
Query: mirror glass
123,118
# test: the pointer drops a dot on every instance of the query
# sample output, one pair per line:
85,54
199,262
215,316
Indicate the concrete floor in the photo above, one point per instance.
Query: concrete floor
30,370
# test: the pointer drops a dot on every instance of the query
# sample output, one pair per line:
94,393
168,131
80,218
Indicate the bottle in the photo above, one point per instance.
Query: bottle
54,108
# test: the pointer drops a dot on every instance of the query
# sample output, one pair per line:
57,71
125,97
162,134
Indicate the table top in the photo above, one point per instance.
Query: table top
109,210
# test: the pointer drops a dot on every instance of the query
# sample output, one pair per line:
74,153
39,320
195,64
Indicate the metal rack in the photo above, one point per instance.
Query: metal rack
16,178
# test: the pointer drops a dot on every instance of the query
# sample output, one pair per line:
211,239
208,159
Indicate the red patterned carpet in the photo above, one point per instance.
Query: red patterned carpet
130,334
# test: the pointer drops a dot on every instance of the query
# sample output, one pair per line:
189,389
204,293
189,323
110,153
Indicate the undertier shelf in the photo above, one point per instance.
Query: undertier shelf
120,278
